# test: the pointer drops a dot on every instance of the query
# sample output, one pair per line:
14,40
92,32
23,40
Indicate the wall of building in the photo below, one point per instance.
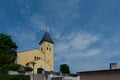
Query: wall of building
47,49
29,56
115,75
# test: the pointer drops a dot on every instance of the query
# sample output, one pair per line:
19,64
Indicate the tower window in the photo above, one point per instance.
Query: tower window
47,48
41,49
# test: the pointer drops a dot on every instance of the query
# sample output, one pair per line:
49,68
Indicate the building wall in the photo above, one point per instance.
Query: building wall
44,55
100,76
48,50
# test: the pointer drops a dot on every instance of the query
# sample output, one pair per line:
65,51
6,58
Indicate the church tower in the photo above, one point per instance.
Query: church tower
47,48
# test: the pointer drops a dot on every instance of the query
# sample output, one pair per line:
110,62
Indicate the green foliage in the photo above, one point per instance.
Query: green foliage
8,55
8,50
73,74
14,67
64,68
5,68
4,72
14,77
28,69
18,77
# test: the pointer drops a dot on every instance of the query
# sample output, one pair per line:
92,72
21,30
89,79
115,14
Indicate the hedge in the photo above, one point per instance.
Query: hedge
14,77
14,67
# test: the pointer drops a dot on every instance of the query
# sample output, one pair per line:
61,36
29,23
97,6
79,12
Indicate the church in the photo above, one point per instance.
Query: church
41,58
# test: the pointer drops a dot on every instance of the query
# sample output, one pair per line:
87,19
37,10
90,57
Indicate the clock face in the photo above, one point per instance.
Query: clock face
48,45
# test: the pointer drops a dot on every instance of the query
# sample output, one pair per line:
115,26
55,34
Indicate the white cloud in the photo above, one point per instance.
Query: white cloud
38,22
25,7
26,33
75,42
24,38
82,41
74,47
74,3
91,53
57,36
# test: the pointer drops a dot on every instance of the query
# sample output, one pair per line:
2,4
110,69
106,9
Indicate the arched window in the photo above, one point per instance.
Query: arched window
35,58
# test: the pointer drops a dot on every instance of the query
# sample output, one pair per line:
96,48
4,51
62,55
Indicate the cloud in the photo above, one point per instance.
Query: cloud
38,22
91,48
91,53
74,47
75,42
25,7
24,38
82,41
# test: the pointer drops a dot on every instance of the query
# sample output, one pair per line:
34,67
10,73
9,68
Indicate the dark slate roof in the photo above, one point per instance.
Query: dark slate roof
46,37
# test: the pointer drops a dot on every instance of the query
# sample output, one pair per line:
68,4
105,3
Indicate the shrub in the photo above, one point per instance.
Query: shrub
14,77
4,72
14,67
4,69
28,69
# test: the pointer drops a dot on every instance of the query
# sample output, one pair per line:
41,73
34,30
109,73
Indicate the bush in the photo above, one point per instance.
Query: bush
14,77
18,77
4,72
4,69
14,67
28,69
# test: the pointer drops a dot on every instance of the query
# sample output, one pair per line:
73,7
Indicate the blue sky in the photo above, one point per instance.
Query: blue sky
86,32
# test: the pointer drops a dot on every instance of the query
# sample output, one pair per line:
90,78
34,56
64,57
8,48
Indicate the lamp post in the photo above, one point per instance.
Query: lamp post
33,64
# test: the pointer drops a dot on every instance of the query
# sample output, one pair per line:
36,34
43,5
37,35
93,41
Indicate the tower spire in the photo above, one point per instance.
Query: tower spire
47,38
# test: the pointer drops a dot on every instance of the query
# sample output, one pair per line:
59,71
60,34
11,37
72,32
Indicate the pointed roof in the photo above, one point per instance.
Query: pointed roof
46,37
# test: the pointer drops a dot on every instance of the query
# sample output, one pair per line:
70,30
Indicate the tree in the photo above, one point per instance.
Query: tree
64,68
8,50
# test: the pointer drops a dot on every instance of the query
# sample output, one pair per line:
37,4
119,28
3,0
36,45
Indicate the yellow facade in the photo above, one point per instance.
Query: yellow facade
43,57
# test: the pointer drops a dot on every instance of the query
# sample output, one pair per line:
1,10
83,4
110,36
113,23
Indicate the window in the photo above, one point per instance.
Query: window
47,48
41,49
35,58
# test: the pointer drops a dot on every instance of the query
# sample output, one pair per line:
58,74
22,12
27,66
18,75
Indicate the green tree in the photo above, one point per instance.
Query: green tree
64,68
8,50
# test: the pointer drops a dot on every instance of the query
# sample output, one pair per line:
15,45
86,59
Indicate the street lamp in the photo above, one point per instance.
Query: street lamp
33,64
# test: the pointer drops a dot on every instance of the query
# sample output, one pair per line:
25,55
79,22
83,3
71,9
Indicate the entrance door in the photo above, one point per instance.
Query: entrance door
39,70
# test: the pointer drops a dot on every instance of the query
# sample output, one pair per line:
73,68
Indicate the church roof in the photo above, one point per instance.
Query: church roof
46,37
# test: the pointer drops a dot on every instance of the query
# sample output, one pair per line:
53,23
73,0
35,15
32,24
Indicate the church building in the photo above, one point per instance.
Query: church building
42,58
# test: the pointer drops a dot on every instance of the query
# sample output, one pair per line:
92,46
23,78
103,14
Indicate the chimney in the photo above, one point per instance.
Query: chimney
113,66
